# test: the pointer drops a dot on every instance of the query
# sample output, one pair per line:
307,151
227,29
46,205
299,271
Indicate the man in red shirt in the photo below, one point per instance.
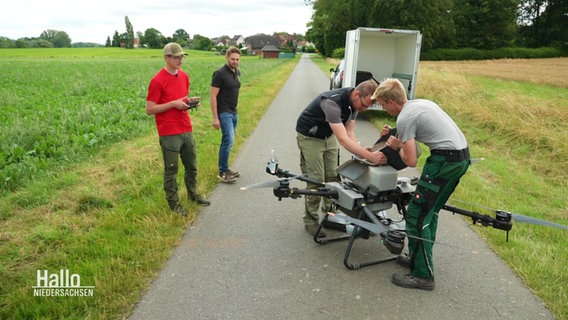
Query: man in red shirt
168,101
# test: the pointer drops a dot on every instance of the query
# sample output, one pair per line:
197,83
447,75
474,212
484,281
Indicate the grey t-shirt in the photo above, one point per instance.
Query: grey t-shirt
333,112
426,122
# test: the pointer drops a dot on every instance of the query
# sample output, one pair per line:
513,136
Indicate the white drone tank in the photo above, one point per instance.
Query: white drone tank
369,177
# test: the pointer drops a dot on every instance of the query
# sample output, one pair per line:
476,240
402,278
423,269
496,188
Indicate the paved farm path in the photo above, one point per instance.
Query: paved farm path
247,255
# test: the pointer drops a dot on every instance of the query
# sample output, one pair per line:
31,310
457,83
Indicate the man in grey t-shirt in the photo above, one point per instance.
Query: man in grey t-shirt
424,121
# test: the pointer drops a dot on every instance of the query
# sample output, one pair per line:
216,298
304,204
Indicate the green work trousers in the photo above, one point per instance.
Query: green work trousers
438,181
319,159
174,147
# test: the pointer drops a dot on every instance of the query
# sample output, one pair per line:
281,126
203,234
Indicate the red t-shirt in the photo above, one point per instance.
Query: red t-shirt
165,87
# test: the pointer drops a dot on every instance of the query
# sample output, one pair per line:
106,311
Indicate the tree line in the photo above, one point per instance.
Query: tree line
48,39
153,38
150,38
445,24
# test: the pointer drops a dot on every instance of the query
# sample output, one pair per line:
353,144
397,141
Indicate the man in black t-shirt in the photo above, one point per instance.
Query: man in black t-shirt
327,120
224,97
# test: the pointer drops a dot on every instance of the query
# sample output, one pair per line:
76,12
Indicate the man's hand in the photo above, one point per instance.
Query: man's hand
394,142
385,130
194,102
154,108
377,157
216,123
180,104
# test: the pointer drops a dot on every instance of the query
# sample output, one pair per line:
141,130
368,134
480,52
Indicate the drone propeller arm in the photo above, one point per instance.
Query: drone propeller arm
281,173
284,191
501,222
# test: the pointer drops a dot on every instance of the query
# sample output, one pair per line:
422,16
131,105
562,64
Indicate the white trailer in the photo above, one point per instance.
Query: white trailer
382,53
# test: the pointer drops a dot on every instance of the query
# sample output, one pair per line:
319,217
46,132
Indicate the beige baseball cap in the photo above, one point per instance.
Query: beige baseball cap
174,49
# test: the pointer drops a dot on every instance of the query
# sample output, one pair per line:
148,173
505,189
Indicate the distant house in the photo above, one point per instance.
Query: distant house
221,41
269,51
226,41
305,43
289,41
238,41
255,43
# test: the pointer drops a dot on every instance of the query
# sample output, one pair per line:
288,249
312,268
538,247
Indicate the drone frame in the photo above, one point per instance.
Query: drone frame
361,224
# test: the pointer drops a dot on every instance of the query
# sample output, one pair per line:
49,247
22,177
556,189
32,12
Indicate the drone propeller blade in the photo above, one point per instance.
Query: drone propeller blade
265,184
363,224
525,219
269,184
378,229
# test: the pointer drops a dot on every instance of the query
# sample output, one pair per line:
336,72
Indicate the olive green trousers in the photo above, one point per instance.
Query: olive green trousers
319,159
174,147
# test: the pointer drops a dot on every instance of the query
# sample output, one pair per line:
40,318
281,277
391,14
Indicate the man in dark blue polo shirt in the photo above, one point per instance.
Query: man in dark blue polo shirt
224,97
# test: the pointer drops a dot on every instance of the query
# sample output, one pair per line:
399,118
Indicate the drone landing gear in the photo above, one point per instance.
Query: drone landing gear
326,240
356,266
357,232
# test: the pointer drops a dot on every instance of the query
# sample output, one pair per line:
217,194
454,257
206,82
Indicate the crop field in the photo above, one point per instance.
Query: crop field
80,188
60,108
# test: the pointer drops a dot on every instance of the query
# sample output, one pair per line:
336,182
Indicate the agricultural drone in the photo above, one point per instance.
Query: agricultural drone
361,201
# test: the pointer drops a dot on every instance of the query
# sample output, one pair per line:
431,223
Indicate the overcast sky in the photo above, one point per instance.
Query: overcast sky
95,20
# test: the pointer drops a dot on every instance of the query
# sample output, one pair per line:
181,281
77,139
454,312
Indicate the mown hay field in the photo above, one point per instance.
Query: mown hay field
514,114
541,71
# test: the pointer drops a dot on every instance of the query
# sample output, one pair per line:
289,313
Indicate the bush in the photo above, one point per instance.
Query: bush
502,53
338,53
309,49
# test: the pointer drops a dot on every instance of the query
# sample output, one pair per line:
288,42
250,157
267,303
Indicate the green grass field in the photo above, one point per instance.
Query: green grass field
81,172
81,179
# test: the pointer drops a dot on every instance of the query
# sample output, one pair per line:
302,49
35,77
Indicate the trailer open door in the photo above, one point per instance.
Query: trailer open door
380,53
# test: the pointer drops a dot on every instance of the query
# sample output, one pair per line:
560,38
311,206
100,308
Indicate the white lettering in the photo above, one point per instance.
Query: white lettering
61,284
63,279
53,280
75,281
68,292
42,279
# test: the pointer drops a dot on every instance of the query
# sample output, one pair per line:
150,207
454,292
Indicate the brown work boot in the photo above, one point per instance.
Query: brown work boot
226,177
235,174
409,281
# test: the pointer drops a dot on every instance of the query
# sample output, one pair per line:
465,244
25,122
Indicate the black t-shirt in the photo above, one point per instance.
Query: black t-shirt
228,83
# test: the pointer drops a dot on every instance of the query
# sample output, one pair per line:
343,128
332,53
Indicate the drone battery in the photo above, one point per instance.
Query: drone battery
347,199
